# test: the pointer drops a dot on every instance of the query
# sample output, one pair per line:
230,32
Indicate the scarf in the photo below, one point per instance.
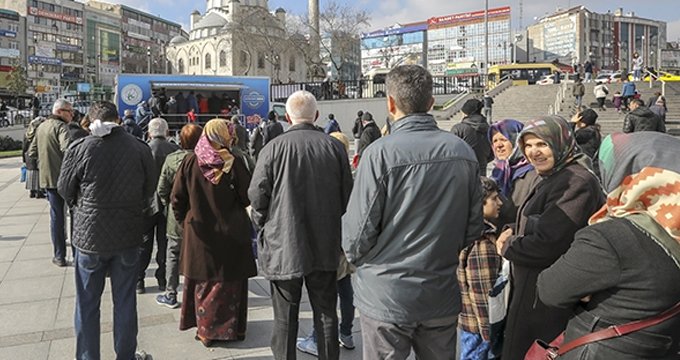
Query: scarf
557,133
505,172
212,150
101,129
641,175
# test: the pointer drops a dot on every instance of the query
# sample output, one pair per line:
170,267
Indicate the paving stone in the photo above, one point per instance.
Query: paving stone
31,289
33,268
27,317
37,351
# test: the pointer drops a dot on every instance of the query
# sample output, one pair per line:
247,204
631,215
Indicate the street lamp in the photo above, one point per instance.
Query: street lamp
148,59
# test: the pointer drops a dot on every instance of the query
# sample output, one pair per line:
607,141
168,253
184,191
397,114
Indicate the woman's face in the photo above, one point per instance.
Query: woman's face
502,147
539,153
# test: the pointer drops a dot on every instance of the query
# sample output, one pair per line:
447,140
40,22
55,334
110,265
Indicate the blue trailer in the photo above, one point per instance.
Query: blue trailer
251,94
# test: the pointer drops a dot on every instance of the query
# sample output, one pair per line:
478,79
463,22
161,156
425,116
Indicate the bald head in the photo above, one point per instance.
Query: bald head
301,107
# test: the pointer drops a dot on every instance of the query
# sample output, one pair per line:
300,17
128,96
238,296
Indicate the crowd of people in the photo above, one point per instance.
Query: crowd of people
415,236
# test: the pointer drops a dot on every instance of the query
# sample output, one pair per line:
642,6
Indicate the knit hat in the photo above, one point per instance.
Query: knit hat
367,116
588,117
331,116
472,106
271,115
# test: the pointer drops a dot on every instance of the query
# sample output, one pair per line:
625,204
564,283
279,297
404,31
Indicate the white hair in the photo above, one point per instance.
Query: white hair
301,107
60,104
158,127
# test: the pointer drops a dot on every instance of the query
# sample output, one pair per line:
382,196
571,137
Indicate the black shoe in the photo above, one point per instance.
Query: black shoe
59,262
140,287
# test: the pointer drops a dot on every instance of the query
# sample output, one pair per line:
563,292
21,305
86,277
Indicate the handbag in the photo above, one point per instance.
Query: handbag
23,174
539,350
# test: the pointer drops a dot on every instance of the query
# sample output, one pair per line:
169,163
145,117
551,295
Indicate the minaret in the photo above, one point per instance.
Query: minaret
314,29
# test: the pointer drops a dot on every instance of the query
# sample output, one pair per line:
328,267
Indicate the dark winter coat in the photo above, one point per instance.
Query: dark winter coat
108,181
369,134
558,206
521,188
160,149
132,128
629,277
589,139
299,191
357,128
271,130
473,129
216,243
181,104
256,142
75,131
643,119
242,135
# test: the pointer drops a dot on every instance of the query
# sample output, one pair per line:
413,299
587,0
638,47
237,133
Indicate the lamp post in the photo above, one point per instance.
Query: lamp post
148,59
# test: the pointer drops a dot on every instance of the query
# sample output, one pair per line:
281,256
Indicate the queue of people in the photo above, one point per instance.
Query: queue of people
415,238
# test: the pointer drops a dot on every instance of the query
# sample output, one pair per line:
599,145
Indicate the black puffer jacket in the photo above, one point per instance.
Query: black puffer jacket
107,180
369,134
643,119
473,129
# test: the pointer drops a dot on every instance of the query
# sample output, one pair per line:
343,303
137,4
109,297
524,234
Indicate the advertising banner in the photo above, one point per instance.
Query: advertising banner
44,49
43,60
7,33
56,16
451,19
10,53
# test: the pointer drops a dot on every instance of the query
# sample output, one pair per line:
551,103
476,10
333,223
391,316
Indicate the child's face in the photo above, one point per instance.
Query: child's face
492,206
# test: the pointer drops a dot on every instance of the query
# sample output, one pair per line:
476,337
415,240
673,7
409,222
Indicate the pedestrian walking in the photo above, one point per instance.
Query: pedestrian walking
488,107
601,91
578,90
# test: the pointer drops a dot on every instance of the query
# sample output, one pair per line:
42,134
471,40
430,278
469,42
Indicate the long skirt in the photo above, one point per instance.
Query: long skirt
218,309
32,180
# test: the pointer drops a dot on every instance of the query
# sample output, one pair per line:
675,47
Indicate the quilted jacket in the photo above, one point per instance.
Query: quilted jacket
108,180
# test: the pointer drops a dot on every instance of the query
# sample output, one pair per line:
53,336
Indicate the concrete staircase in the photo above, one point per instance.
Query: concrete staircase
521,103
610,121
524,103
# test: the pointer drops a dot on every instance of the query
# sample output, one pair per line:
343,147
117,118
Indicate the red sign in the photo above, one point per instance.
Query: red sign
441,20
56,16
6,68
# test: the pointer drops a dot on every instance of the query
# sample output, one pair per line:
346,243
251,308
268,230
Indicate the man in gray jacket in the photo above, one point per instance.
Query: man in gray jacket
416,203
49,145
106,178
298,194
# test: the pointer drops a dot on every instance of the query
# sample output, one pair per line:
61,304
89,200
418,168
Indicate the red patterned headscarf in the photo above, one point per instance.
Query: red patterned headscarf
212,150
641,175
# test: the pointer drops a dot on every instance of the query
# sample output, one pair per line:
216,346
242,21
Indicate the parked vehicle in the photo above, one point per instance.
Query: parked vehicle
550,79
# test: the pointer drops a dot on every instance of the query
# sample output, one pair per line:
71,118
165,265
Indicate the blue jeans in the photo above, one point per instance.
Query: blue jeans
91,270
473,347
57,228
346,296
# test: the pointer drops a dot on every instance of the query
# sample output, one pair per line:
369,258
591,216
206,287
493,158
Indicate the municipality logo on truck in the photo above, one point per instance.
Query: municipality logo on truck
253,99
131,94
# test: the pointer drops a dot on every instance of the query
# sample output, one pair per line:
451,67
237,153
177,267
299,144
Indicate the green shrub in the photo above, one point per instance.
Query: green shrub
7,143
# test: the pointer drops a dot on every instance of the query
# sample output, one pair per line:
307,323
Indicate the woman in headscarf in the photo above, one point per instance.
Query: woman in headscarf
512,171
32,174
625,266
554,210
209,197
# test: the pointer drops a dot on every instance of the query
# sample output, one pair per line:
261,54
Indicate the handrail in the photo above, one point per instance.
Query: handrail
653,76
452,101
556,108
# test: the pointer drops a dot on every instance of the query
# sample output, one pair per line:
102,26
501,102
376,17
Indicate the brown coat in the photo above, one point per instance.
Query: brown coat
217,229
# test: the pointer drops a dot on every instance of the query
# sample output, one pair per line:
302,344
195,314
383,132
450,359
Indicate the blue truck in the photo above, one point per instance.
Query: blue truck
249,94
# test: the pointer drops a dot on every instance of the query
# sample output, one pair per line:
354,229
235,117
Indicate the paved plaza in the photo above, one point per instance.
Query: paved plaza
37,297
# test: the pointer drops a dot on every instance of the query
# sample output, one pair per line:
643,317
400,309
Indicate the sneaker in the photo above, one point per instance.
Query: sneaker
141,355
59,262
308,346
169,300
347,341
140,287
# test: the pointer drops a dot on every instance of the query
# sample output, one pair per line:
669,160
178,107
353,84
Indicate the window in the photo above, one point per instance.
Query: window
291,63
180,66
243,58
260,60
223,58
208,64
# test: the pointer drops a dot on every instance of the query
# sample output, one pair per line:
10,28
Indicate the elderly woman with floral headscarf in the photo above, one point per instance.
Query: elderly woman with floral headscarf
554,210
625,266
512,171
209,197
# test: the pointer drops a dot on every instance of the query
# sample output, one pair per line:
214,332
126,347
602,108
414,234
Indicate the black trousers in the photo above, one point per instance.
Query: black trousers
323,294
156,226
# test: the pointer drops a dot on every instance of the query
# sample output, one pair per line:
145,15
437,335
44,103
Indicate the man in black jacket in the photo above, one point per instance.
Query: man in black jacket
298,193
640,118
156,220
473,130
106,178
370,132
